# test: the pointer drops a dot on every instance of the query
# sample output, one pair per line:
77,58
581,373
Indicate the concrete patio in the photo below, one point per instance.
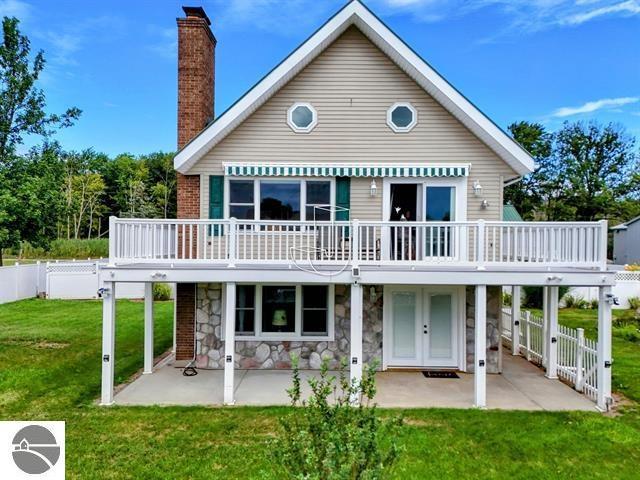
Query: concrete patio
522,386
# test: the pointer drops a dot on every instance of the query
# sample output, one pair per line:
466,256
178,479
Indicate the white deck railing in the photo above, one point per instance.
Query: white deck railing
577,355
478,243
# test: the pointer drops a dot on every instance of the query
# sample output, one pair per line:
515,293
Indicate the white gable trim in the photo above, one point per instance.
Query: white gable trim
357,14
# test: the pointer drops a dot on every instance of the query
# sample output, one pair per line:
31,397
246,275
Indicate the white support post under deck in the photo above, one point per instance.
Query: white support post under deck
108,341
356,335
148,328
515,319
604,360
480,348
545,323
551,339
229,342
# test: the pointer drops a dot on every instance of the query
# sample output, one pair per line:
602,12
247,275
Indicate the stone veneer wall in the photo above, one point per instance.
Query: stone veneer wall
494,346
269,355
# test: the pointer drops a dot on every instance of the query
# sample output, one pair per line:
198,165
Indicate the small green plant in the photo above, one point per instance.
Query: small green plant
571,301
593,304
161,292
331,437
634,303
506,299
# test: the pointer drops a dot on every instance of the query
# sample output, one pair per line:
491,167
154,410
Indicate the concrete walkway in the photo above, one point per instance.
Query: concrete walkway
522,386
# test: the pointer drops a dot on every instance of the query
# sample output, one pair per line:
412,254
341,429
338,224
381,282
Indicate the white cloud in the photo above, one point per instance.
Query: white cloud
603,104
15,8
518,16
630,7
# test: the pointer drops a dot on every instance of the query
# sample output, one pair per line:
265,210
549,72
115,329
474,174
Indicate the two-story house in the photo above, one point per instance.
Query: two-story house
348,206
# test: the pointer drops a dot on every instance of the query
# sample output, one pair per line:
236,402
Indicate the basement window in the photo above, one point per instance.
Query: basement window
285,312
302,117
402,117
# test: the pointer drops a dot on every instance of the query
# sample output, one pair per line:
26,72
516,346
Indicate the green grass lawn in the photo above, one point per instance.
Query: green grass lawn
50,369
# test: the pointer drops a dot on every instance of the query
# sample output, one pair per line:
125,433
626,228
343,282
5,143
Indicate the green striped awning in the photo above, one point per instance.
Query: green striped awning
308,170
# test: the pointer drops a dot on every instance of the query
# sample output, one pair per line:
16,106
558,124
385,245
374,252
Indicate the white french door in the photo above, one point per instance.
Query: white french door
422,326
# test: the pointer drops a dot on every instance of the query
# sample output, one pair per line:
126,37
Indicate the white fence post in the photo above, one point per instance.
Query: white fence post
604,241
515,320
113,238
17,285
527,315
579,361
355,241
480,245
233,225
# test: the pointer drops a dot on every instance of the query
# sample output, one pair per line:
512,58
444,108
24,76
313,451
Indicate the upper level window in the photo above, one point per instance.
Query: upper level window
280,200
402,117
294,199
302,117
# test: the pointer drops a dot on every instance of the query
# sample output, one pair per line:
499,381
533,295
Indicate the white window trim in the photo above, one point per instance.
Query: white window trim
396,128
303,194
314,117
288,336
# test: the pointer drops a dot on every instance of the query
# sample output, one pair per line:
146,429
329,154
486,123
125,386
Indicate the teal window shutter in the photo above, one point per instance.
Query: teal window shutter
216,201
343,197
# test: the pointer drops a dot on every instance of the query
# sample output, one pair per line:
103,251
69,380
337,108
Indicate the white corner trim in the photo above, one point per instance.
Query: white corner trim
354,13
399,129
296,128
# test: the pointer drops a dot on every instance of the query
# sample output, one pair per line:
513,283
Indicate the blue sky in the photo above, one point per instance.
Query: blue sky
539,60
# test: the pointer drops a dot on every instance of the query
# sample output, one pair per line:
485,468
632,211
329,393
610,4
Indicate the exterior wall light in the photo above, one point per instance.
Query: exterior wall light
477,188
373,187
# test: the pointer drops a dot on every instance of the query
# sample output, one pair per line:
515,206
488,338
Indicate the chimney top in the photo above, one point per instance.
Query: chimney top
196,12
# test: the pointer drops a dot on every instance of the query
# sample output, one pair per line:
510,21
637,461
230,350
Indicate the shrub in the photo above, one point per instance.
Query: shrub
533,296
327,438
634,303
161,291
571,301
62,248
593,304
506,299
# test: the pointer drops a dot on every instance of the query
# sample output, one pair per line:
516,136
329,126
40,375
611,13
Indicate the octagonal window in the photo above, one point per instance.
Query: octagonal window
302,117
402,117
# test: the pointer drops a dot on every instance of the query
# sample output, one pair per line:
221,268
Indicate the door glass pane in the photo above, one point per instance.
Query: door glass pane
439,207
440,339
439,204
404,325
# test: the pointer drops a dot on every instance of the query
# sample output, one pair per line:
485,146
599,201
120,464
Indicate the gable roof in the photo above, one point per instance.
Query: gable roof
356,14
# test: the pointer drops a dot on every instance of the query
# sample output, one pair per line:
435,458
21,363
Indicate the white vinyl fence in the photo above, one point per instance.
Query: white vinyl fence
577,355
18,281
69,280
627,286
79,280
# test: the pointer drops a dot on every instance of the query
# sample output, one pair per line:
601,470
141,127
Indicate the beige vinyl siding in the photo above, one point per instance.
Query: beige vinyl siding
351,85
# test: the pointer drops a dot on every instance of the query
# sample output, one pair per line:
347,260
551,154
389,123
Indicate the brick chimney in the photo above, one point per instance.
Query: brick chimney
196,72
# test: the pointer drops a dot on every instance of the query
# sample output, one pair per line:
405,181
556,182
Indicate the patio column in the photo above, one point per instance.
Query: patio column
605,300
229,342
515,319
551,338
545,322
148,328
480,348
356,335
108,341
